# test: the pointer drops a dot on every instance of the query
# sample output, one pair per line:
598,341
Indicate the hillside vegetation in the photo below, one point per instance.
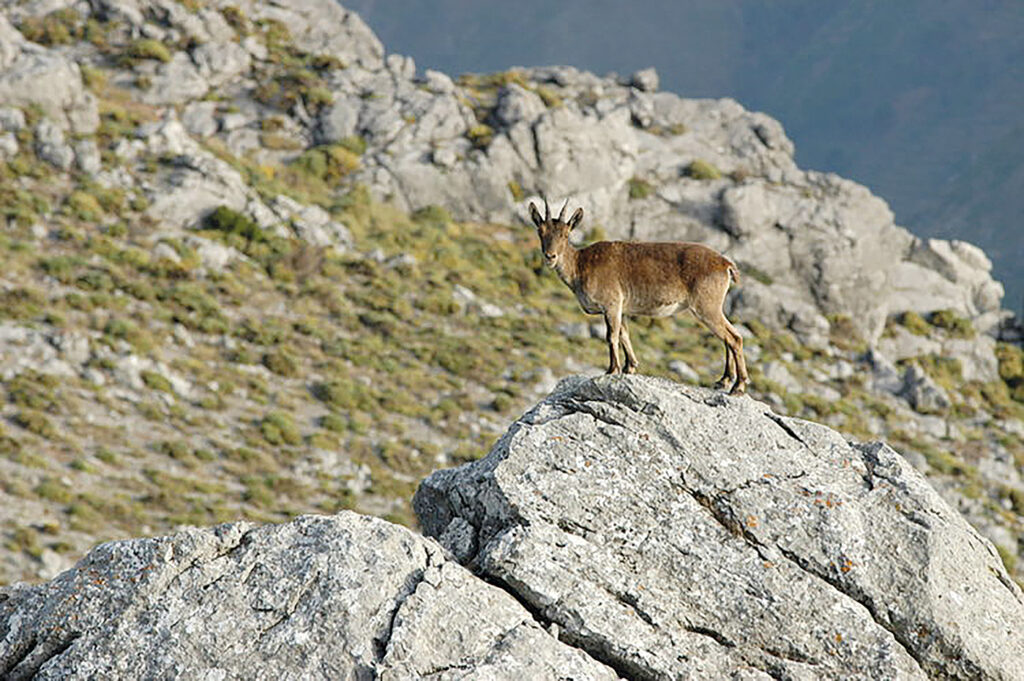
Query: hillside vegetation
200,327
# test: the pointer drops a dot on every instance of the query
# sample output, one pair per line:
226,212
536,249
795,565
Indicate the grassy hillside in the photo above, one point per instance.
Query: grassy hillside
307,380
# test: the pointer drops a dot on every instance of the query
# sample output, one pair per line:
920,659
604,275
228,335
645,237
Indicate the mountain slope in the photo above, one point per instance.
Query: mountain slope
234,287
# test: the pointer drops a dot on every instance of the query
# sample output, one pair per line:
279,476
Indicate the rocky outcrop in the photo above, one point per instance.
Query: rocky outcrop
625,527
343,597
677,533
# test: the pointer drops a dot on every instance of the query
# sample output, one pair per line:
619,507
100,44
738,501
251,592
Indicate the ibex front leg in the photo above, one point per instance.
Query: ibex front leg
613,322
631,364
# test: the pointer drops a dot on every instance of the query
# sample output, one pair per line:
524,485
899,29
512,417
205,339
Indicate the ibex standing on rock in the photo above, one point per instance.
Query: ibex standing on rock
616,278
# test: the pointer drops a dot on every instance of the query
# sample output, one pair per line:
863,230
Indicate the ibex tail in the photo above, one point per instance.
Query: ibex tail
734,272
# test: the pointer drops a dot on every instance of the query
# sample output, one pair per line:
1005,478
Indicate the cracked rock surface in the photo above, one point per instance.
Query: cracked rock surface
672,532
342,597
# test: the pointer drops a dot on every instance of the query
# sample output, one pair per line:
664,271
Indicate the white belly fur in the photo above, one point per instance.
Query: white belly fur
659,311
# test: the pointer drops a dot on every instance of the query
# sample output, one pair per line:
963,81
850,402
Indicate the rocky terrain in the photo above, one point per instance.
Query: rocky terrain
625,527
255,267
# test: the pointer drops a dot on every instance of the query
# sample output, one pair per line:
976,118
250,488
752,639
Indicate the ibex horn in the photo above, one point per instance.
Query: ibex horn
561,216
547,210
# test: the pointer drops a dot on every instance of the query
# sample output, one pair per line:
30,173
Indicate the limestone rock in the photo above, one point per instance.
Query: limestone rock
923,394
347,596
11,43
198,118
324,27
8,145
53,82
675,532
11,119
684,371
516,104
176,82
312,223
51,146
645,79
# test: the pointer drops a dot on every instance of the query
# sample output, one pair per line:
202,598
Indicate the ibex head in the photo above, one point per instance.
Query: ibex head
554,233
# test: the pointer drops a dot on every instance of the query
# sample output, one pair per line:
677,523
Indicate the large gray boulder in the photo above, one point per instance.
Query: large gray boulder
673,532
343,597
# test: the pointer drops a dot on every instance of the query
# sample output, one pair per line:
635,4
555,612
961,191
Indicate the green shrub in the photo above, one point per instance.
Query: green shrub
843,333
36,422
346,395
179,450
21,303
229,221
480,135
84,206
281,362
33,390
953,323
20,205
278,142
947,371
59,27
25,539
333,423
329,163
516,190
354,143
756,273
236,19
1008,557
434,215
147,48
700,169
128,331
915,323
1011,369
640,189
278,428
550,98
157,381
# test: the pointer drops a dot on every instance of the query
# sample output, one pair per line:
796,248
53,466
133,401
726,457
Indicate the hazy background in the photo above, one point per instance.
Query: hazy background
920,100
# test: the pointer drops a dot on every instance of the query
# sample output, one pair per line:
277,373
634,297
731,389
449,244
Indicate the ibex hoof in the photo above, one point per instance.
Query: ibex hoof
720,384
738,389
630,368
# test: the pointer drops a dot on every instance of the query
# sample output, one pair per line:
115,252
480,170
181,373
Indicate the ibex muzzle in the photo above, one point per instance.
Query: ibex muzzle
618,278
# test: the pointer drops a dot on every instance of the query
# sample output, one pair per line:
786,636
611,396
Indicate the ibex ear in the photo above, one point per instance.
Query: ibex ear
576,218
535,215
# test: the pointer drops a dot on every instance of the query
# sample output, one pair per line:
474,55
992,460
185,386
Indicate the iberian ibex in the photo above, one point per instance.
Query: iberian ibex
617,278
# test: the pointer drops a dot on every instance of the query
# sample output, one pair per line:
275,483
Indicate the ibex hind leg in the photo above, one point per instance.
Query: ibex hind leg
735,367
742,378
